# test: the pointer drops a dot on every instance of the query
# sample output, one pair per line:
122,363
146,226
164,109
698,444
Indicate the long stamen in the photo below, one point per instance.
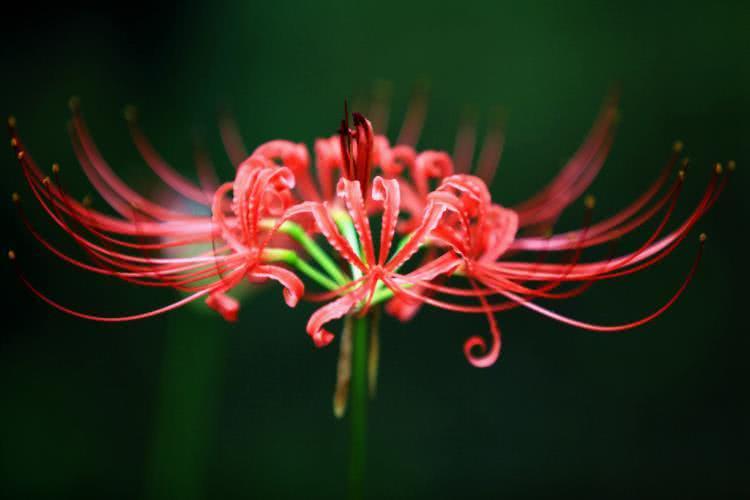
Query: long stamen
105,319
152,270
232,140
640,257
35,179
620,327
154,160
380,106
492,151
466,136
112,180
415,116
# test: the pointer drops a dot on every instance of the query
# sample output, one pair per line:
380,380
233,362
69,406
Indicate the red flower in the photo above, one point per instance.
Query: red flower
443,240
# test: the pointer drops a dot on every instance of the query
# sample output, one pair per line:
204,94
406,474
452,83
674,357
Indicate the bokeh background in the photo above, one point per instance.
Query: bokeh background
187,406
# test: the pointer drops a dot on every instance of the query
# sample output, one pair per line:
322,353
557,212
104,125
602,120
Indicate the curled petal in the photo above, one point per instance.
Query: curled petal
501,229
396,160
329,312
225,305
430,164
403,308
327,159
403,157
260,190
471,186
322,338
293,287
292,155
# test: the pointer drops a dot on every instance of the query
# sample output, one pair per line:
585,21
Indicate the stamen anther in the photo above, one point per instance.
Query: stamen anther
15,197
130,113
46,181
703,237
12,121
678,146
718,169
11,255
74,103
731,165
20,155
589,201
13,142
55,168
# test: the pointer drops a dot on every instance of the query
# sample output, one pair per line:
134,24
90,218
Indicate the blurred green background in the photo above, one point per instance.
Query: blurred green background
187,406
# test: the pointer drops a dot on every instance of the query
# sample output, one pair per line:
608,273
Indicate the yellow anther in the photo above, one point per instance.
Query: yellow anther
12,121
703,237
731,165
678,146
11,255
55,168
718,169
20,155
13,142
15,197
130,113
589,201
45,181
681,174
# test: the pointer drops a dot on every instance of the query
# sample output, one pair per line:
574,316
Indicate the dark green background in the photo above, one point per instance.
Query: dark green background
186,406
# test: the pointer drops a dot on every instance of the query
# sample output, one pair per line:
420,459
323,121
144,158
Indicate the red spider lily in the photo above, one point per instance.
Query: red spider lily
443,241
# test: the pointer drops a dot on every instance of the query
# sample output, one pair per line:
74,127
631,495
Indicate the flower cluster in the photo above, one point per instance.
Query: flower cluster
306,224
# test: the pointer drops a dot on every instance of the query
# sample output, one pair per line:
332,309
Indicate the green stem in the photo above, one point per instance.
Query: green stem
358,399
312,248
291,258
